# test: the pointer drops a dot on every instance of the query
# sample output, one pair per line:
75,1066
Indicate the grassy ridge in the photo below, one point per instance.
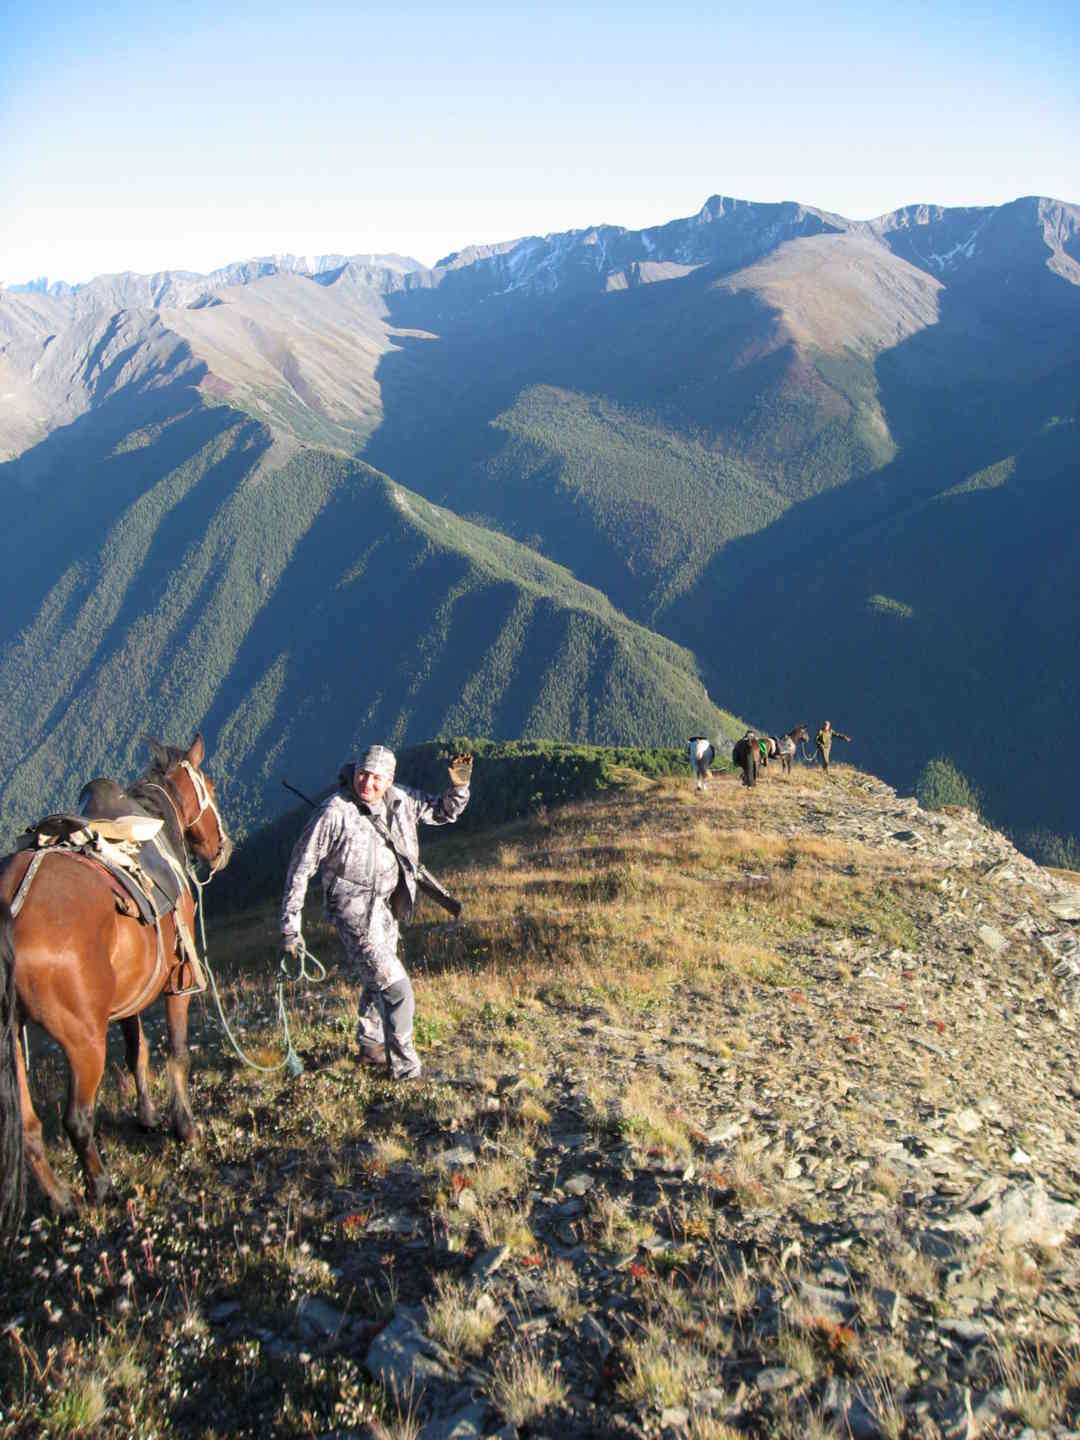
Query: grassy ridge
512,779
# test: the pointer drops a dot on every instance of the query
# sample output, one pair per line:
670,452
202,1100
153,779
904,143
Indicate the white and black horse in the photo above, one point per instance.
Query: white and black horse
702,755
787,743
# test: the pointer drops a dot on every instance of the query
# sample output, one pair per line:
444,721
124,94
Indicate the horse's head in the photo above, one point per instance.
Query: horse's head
193,797
800,733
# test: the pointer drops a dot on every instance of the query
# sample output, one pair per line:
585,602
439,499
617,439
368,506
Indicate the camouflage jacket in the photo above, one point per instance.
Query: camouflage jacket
342,843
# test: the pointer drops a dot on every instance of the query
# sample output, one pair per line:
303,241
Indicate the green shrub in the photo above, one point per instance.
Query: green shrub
940,783
1048,848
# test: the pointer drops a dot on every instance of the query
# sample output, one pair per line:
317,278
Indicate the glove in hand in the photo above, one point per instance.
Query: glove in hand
460,768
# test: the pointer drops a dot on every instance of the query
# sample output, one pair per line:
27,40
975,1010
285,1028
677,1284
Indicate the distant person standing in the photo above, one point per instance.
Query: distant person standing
363,840
825,736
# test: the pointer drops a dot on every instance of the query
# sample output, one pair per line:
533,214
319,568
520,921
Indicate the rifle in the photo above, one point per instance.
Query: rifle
425,881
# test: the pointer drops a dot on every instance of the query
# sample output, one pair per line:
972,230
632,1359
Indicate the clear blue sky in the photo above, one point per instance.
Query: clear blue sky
144,137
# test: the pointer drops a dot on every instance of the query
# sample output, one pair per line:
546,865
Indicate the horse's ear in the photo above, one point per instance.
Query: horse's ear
158,751
196,753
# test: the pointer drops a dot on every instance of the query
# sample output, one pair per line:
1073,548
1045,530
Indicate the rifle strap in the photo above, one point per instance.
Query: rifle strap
379,825
401,900
422,878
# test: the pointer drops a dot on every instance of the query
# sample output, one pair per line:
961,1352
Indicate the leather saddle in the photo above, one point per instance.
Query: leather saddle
114,829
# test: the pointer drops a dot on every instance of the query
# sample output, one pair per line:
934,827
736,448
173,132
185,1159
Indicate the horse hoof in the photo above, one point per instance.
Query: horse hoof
61,1202
186,1131
99,1190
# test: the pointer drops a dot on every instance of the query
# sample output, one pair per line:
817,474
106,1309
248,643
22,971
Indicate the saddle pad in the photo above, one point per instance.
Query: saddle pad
79,829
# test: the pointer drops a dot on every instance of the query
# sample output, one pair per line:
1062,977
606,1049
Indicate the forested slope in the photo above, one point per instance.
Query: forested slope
293,604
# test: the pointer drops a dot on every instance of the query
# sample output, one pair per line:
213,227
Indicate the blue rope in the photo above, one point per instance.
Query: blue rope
292,1062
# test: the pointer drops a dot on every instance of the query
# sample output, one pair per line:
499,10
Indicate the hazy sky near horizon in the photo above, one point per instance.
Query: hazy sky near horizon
144,137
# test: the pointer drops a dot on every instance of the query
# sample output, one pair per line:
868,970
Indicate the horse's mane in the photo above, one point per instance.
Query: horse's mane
166,758
146,789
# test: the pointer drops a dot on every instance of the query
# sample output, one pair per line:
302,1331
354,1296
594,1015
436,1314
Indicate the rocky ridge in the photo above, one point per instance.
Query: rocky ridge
860,1220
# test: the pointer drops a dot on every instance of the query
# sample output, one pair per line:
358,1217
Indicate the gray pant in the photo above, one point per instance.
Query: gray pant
386,1020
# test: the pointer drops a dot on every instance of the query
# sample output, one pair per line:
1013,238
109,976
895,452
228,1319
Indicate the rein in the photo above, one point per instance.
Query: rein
292,1062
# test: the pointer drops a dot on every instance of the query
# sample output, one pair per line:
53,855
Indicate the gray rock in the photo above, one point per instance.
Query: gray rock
968,1332
825,1302
456,1157
890,1306
487,1262
852,1410
469,1423
399,1224
674,1418
1067,907
317,1320
579,1184
777,1377
990,1407
993,939
1026,1215
710,1399
402,1356
594,1334
836,1397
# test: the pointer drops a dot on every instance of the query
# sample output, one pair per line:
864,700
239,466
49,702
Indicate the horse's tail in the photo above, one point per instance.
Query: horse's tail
12,1182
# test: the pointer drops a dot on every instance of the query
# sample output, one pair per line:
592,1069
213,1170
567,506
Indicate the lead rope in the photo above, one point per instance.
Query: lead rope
292,1062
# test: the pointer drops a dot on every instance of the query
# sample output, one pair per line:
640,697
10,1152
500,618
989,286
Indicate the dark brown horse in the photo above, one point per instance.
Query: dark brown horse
746,756
78,962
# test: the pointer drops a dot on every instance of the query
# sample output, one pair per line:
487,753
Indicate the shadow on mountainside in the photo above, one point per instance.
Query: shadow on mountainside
66,493
649,356
922,613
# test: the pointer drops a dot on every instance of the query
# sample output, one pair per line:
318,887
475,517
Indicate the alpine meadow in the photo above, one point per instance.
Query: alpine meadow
603,487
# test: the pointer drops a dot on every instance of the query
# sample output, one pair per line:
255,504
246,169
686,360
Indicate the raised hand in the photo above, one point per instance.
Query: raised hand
460,769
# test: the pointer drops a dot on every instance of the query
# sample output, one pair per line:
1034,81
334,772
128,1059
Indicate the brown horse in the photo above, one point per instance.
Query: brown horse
77,963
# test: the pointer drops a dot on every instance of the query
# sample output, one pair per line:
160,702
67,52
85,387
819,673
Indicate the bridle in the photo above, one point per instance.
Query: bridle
205,801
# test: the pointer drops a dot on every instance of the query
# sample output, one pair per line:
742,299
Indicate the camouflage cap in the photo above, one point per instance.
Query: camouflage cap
378,760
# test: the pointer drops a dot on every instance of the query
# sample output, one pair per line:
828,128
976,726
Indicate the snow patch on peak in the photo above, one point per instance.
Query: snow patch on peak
962,250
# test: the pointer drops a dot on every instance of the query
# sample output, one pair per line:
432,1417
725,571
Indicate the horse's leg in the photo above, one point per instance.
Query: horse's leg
83,1081
34,1146
176,1016
138,1061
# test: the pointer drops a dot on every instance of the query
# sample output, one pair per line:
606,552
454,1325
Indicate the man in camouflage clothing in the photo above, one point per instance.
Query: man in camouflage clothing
363,841
825,736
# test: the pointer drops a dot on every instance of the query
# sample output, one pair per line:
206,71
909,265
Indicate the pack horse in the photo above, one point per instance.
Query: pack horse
702,755
86,939
787,746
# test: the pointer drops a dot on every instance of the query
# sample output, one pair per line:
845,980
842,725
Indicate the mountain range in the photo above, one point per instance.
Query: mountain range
609,485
